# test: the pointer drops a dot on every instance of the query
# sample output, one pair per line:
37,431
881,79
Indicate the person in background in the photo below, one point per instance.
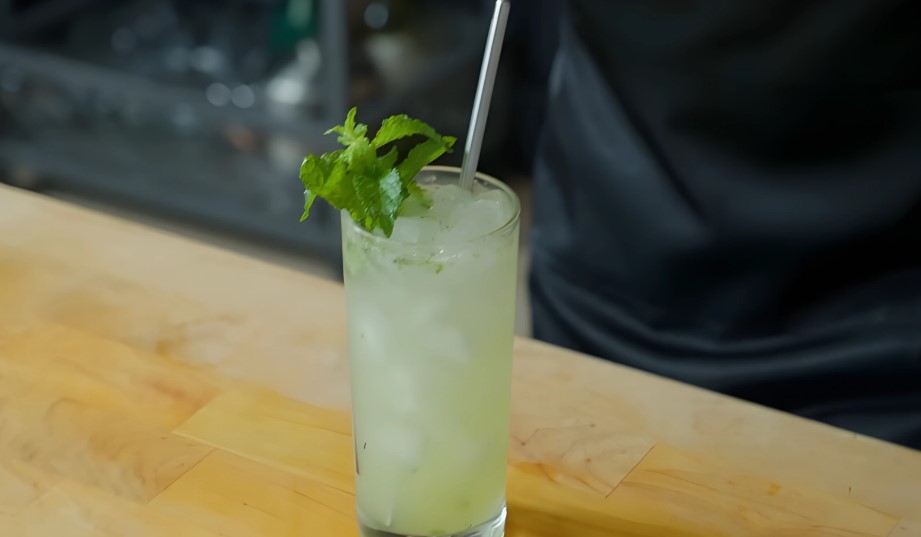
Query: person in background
729,194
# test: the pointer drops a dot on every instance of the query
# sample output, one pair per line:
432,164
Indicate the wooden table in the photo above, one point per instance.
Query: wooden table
152,386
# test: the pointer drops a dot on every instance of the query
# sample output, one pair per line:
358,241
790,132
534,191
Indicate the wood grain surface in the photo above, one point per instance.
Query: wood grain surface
152,386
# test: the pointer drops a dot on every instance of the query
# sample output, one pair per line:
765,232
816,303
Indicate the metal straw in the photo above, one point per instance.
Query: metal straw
484,93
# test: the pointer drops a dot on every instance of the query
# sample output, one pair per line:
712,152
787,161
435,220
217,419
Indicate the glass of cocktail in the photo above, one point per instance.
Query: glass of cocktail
431,317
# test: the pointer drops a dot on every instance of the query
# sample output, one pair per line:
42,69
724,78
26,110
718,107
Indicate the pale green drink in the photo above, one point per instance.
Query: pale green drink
431,316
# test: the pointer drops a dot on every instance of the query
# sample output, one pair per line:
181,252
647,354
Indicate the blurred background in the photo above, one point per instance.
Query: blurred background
194,115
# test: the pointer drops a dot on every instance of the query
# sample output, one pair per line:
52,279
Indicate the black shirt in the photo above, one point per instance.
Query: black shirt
729,193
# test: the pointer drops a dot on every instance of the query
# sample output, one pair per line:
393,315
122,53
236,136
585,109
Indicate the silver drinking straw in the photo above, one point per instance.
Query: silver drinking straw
484,93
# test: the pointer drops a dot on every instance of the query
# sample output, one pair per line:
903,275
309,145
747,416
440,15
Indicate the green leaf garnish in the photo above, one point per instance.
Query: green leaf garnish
364,179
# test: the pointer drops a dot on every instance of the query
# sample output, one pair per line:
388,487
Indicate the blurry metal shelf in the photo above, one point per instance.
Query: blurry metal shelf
198,173
204,174
143,188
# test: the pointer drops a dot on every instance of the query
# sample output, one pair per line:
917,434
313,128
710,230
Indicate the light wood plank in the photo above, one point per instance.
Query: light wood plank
907,528
539,507
91,444
560,385
576,452
21,484
77,365
95,411
672,493
72,510
245,318
704,498
113,335
297,346
238,497
304,439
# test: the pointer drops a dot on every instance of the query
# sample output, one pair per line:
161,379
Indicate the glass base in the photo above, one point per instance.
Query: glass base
493,528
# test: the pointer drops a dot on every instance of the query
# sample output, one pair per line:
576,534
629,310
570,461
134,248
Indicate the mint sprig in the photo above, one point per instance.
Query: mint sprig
364,178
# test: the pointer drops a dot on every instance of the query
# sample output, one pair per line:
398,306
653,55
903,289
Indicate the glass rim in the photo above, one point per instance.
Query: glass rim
479,176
